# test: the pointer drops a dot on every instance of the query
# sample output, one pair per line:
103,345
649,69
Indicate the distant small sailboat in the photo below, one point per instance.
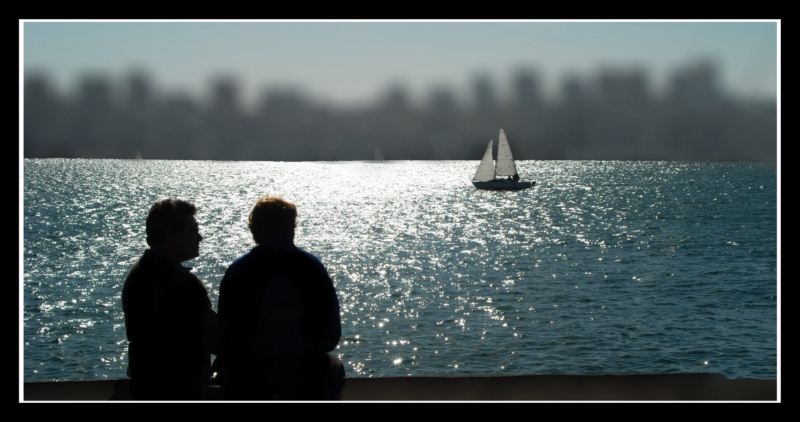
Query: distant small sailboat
377,154
501,175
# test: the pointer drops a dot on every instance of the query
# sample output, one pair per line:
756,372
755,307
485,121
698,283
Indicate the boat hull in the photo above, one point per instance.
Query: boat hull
500,184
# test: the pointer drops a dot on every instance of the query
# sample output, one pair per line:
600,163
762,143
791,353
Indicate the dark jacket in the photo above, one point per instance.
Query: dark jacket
279,316
167,314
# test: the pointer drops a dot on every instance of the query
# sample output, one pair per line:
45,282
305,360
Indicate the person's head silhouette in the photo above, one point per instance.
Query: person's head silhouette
273,220
172,230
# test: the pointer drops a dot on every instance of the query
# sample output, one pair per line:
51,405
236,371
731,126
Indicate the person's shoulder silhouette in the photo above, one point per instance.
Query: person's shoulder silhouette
279,315
168,317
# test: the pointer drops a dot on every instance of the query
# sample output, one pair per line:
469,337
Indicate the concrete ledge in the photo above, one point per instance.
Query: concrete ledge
677,387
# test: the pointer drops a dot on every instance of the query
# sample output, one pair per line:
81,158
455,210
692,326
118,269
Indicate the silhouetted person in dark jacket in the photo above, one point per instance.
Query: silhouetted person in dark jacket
279,315
169,322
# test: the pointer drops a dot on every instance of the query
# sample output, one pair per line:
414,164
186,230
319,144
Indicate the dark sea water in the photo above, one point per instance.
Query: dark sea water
601,268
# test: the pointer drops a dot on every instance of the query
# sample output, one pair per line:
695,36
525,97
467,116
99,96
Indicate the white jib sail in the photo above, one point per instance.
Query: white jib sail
485,170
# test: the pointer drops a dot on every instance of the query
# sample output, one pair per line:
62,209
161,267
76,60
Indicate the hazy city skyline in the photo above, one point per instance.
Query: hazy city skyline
351,63
612,114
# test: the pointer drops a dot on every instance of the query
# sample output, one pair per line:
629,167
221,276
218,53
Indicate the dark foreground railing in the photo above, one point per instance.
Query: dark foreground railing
671,387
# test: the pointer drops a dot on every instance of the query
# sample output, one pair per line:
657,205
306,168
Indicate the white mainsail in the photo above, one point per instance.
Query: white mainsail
505,160
485,170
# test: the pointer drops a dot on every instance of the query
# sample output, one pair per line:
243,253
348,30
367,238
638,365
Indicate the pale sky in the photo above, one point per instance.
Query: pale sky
348,61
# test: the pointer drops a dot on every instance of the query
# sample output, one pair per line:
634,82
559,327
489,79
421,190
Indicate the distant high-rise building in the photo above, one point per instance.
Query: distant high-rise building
225,93
573,90
622,86
485,94
396,98
696,83
95,91
138,90
527,91
442,100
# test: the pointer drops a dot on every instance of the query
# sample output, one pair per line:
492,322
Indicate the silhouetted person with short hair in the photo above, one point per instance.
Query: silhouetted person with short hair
169,322
279,316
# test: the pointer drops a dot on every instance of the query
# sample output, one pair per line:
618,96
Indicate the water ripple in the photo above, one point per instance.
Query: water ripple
602,267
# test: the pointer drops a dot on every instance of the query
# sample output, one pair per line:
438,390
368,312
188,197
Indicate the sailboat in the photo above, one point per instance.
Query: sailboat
501,175
377,154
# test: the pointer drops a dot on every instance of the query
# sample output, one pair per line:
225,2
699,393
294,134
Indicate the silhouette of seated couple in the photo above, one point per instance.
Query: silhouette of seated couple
278,315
